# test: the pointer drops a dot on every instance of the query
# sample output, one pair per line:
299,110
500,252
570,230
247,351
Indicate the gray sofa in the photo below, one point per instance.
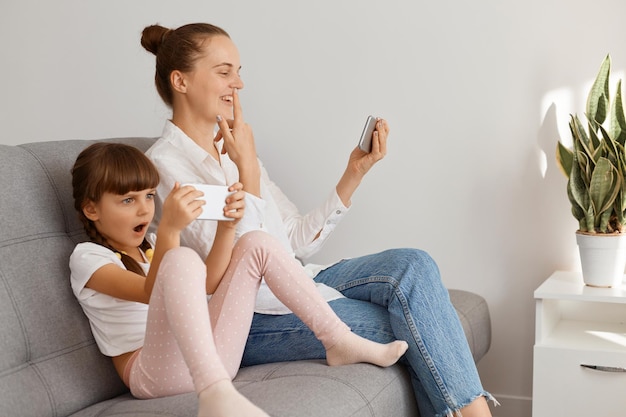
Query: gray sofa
49,362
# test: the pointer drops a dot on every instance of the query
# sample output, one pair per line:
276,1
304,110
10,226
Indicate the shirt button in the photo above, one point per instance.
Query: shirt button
338,212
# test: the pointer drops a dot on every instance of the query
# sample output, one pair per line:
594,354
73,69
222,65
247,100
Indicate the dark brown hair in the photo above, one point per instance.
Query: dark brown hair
176,49
114,168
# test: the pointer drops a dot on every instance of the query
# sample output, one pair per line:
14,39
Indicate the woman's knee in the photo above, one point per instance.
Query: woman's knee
410,256
412,265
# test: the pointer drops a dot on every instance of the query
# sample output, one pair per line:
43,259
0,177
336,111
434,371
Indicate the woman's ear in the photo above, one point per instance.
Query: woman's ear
90,211
178,81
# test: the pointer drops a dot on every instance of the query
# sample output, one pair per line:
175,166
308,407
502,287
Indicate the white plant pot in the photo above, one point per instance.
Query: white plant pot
602,258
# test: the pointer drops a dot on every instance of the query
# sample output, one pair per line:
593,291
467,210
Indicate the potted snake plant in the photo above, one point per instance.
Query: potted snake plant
595,166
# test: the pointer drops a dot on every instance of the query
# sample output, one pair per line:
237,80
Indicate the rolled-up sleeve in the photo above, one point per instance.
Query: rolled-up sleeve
307,233
330,214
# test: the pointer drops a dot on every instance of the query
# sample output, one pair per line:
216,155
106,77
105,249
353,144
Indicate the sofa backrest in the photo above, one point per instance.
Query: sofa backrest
49,362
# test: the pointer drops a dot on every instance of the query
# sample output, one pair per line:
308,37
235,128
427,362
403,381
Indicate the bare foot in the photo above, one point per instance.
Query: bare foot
223,400
353,348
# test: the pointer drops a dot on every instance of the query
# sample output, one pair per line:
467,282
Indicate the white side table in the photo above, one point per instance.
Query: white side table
578,325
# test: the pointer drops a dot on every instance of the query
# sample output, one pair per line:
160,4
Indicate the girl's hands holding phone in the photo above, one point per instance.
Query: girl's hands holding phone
181,207
184,204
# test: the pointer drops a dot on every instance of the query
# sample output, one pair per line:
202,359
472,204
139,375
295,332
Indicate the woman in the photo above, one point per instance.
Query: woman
395,294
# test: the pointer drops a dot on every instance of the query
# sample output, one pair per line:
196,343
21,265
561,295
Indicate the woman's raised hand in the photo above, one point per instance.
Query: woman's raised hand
239,143
238,137
361,162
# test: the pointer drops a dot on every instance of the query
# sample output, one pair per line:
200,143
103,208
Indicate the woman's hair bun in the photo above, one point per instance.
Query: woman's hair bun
153,36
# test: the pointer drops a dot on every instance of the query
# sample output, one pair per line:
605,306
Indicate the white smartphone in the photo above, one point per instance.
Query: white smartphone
215,198
365,142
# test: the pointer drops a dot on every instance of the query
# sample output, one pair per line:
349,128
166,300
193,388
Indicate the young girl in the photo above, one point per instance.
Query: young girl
148,307
394,294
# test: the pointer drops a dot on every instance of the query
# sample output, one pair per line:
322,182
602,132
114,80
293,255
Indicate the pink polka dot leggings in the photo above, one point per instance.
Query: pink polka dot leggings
191,344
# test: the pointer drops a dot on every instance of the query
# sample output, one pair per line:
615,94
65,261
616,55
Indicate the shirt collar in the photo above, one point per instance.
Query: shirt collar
179,139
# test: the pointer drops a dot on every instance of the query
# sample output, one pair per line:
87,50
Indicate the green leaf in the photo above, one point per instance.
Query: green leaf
604,187
577,211
580,137
598,99
579,194
618,121
564,158
594,140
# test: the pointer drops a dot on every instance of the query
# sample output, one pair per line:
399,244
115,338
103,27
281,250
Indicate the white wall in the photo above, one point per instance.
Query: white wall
476,94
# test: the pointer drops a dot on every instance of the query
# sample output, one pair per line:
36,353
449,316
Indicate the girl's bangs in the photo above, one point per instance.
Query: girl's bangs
130,173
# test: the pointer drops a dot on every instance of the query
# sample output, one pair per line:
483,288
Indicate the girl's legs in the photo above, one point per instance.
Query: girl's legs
407,283
180,353
188,346
257,254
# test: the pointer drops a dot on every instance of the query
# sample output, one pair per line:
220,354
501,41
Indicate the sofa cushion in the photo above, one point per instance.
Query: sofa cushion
299,389
473,312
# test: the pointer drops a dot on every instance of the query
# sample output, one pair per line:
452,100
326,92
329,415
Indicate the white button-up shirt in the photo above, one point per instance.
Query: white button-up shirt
179,159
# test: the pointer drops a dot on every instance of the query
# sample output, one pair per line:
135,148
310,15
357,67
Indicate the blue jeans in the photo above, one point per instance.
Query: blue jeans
392,295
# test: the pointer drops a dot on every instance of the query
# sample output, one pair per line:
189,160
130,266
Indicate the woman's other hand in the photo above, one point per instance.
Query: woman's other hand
361,162
235,204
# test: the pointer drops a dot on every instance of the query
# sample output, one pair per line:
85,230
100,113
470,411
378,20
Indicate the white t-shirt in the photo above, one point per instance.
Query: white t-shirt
179,159
119,326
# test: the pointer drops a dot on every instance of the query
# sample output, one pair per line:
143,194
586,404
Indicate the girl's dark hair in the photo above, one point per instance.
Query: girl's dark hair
114,168
176,49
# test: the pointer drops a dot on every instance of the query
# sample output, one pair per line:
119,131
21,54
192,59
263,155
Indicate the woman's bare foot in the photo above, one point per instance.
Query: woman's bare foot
353,348
223,400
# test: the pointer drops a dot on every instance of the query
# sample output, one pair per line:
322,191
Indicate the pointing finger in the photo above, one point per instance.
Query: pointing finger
237,112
